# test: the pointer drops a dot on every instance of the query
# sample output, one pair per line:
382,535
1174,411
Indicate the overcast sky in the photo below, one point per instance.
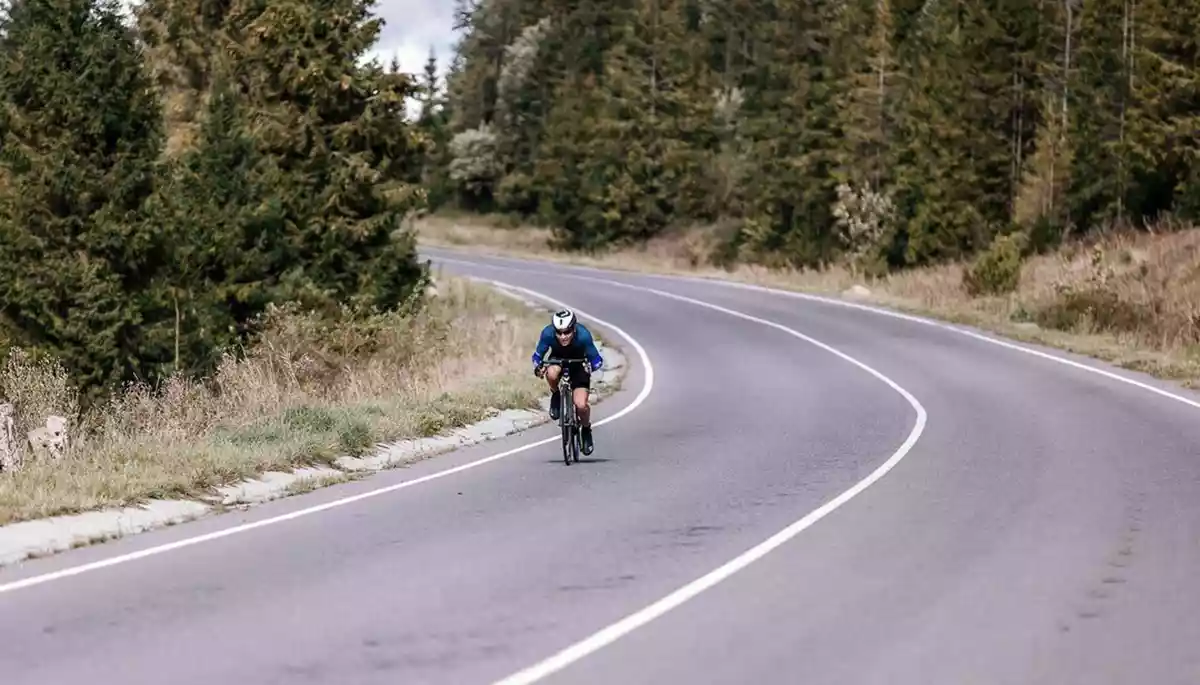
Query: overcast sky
411,28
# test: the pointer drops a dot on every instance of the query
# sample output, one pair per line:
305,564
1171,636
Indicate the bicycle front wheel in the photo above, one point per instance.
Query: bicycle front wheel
566,441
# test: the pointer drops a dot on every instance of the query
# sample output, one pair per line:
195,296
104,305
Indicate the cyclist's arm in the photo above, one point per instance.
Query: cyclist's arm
543,345
589,347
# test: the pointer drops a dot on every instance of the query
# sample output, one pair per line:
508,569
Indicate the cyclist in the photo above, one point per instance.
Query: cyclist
564,336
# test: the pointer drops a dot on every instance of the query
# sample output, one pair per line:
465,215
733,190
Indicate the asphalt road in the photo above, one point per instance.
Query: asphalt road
983,515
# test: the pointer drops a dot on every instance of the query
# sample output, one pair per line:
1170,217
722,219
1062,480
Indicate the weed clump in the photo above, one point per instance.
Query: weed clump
997,270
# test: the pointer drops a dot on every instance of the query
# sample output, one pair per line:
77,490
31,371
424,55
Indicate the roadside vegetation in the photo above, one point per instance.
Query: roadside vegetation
1030,167
206,273
305,391
209,261
1131,298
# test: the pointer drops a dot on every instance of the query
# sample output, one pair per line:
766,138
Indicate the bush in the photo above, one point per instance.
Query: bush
1088,310
997,270
1095,303
474,167
516,193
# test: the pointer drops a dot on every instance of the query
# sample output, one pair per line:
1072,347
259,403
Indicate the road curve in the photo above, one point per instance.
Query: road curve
1044,527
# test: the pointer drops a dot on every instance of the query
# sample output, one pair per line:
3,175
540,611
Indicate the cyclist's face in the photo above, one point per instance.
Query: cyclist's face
564,337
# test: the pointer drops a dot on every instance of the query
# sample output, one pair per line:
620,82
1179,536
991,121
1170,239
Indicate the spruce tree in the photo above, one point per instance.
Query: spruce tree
184,40
791,125
80,130
434,127
976,117
1101,91
334,130
1163,117
217,205
866,91
954,170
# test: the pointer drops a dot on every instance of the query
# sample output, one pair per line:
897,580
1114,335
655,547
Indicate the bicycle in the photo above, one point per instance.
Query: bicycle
567,420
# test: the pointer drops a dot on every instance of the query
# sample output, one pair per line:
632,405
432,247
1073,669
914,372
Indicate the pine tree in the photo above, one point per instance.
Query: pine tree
976,117
684,109
217,206
864,60
641,133
1163,118
1102,93
955,158
490,27
573,173
184,39
433,123
791,125
81,130
522,104
333,130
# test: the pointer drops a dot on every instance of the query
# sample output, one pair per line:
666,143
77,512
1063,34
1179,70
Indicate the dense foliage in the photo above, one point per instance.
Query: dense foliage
163,181
950,122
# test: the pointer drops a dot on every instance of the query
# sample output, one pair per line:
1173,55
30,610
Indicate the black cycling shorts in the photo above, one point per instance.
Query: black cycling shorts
580,378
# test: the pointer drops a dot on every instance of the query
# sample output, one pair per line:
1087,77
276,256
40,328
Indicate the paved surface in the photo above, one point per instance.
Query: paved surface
1044,529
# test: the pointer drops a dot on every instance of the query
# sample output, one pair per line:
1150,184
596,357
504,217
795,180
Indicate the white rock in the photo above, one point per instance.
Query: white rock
50,439
857,291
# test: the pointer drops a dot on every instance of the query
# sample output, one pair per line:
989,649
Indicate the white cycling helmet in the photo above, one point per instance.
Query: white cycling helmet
563,321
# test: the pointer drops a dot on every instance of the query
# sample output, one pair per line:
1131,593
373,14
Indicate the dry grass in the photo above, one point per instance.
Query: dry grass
1129,298
306,393
303,485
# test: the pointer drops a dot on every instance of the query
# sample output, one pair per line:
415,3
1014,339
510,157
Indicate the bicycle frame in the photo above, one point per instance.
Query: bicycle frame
567,420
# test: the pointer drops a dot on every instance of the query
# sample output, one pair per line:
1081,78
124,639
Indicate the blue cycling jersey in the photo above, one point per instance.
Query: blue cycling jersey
583,345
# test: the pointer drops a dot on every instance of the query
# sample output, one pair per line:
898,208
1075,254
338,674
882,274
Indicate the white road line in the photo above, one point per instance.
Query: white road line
630,623
961,331
866,308
647,386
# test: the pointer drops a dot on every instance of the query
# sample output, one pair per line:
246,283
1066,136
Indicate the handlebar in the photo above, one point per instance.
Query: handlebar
561,361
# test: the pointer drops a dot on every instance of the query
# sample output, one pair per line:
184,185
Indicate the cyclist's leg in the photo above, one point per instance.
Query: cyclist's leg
581,382
551,376
582,410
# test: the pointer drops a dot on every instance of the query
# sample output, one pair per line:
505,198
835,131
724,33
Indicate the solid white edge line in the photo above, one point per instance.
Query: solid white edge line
632,622
880,311
971,334
647,386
